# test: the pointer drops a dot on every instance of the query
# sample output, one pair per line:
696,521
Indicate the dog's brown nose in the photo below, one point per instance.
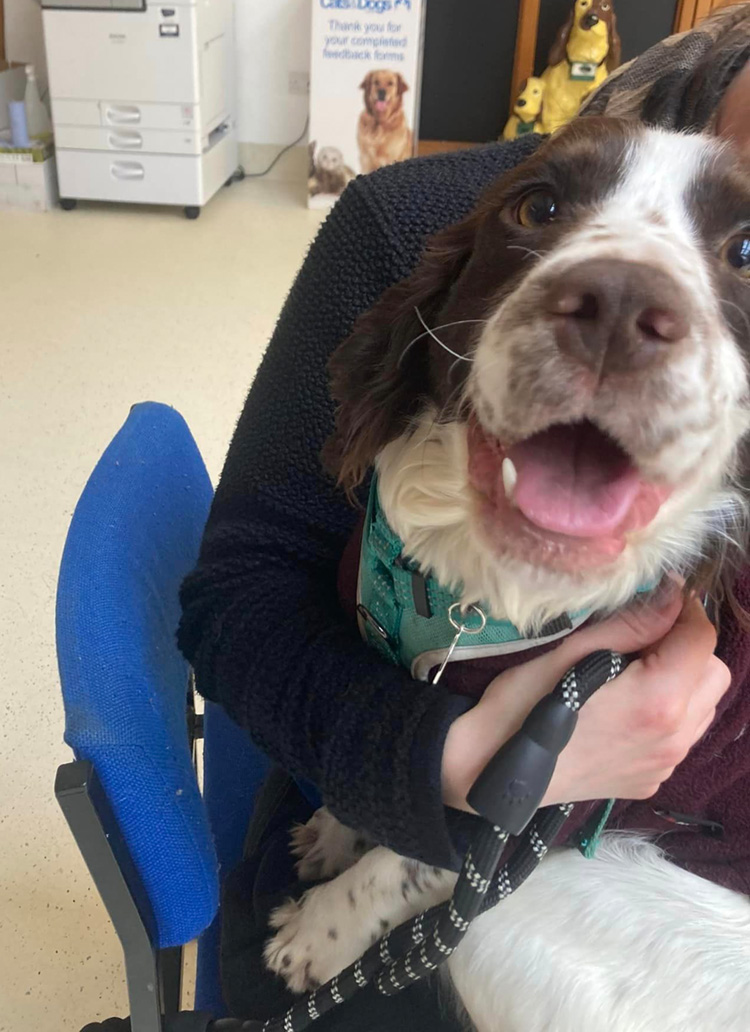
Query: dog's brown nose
615,316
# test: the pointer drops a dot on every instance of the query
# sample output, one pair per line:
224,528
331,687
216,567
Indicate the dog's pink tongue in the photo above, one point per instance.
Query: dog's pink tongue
574,480
380,105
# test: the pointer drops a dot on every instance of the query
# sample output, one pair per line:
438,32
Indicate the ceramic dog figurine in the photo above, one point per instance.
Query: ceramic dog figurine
586,50
526,110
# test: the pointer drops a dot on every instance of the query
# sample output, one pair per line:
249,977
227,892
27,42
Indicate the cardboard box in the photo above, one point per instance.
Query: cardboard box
365,79
42,147
28,185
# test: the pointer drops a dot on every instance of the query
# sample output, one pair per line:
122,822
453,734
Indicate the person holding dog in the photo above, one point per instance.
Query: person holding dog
262,625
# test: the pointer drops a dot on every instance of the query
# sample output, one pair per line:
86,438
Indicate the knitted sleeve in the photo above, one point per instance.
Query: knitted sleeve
262,624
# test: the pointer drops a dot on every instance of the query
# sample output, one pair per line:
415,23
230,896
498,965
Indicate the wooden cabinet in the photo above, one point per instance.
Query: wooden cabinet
690,12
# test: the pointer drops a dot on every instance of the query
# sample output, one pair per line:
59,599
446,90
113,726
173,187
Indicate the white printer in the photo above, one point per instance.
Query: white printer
142,99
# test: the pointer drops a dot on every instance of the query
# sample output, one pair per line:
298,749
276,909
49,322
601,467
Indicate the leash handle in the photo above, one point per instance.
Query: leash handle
510,789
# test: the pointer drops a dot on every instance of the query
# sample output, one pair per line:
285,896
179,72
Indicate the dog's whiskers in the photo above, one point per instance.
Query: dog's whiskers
428,332
528,250
726,301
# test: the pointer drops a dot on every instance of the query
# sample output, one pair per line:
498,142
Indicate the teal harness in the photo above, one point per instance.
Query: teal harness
412,619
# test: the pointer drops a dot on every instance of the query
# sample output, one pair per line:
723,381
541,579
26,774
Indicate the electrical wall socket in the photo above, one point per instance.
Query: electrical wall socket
299,83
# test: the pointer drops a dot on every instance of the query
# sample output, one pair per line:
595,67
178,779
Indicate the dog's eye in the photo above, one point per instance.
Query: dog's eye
737,253
537,209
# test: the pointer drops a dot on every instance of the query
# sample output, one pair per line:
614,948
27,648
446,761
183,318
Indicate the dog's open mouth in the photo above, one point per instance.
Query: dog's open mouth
569,494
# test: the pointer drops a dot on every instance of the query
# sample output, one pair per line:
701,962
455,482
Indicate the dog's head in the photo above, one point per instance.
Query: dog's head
383,91
594,18
528,105
555,399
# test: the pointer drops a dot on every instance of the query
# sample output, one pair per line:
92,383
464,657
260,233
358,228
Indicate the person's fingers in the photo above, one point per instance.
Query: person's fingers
703,727
704,701
692,636
630,630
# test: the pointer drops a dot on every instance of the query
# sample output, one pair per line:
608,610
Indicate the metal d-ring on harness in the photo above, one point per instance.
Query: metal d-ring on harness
507,794
460,629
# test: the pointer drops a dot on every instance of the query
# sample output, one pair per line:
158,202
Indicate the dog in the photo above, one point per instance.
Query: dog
596,302
526,110
383,134
328,173
587,48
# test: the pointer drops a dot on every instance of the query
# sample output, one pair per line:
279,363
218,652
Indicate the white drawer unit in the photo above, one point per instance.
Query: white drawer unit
142,99
116,113
122,138
180,179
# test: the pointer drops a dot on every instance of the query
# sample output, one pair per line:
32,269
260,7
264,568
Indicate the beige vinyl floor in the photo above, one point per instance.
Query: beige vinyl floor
100,308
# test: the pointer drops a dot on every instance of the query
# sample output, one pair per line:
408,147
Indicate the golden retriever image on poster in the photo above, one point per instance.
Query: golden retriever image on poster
383,134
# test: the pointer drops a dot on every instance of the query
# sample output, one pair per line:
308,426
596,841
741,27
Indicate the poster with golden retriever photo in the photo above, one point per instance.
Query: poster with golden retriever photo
364,90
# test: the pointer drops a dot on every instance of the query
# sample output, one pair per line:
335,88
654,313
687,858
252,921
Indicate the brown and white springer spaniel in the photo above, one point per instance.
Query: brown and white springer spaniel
555,402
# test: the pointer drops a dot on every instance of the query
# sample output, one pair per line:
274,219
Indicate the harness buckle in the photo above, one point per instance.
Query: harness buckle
366,615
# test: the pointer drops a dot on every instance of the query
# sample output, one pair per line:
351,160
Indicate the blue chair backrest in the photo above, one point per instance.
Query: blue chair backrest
135,534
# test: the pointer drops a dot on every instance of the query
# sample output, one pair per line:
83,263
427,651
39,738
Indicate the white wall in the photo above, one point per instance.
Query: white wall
273,39
23,34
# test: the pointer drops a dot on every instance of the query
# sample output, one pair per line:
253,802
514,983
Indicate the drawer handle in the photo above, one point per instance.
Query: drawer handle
123,115
125,141
127,170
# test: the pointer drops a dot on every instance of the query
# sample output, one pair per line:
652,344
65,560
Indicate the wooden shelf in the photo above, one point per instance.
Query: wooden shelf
442,146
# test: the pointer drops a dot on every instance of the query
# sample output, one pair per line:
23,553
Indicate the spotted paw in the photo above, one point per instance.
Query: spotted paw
315,939
325,847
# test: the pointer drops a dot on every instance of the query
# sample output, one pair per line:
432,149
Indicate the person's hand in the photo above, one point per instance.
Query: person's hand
632,733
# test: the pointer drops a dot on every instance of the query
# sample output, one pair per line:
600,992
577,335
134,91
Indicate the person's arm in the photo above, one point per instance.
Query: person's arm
262,624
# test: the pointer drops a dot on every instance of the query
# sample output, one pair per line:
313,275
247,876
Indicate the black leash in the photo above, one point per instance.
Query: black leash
507,794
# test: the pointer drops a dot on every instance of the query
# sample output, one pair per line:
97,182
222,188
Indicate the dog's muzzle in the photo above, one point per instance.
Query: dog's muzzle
615,316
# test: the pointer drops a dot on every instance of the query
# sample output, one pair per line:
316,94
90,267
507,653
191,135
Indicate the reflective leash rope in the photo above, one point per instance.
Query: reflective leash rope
507,794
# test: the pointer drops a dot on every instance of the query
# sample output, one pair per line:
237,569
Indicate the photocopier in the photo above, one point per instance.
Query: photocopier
143,99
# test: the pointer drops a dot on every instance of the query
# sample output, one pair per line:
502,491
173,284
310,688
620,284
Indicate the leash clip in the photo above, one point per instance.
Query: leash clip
711,829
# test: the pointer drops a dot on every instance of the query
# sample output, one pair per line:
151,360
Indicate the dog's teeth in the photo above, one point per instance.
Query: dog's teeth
509,478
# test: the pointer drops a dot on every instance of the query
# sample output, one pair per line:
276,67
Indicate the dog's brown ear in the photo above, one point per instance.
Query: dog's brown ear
402,85
379,375
558,50
732,121
614,56
366,82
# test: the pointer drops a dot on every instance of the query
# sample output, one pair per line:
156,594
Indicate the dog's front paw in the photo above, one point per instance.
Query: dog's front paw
291,953
325,847
312,943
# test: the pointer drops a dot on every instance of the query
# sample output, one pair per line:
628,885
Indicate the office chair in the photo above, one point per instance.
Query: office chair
156,848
